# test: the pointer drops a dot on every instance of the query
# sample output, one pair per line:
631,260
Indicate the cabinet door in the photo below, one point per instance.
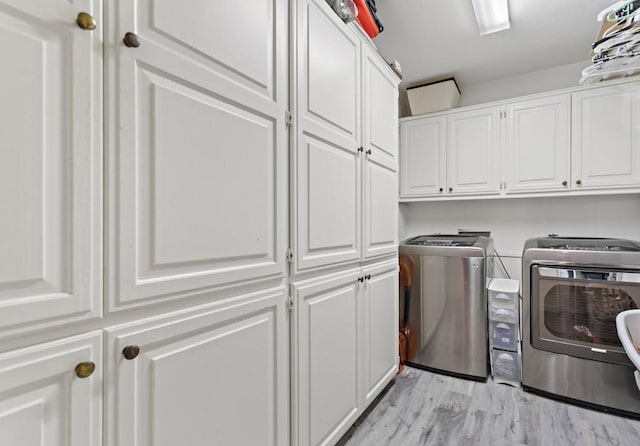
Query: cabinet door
198,153
473,152
214,375
380,210
538,145
42,400
326,358
423,157
380,328
380,110
50,164
326,189
606,137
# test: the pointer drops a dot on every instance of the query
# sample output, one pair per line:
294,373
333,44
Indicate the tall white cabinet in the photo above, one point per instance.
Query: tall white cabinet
189,267
345,233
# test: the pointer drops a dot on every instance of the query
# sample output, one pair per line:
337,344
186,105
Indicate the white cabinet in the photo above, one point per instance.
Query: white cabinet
380,128
326,351
50,164
43,401
345,149
537,151
423,151
198,148
345,348
571,141
473,152
328,152
208,375
606,137
453,154
379,328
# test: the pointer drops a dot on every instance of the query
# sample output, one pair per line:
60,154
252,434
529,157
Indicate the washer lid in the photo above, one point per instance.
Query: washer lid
588,244
443,240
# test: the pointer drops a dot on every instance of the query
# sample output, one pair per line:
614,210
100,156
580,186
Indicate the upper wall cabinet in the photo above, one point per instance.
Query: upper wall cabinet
549,144
200,201
473,151
50,163
537,150
423,151
606,137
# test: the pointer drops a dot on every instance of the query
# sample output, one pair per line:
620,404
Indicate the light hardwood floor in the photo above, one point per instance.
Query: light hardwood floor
424,408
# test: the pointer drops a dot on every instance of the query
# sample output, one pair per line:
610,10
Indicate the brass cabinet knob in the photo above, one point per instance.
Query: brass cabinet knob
131,40
130,352
85,369
451,189
578,182
86,21
564,183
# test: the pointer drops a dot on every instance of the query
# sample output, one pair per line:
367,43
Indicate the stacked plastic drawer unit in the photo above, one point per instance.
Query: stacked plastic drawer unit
504,331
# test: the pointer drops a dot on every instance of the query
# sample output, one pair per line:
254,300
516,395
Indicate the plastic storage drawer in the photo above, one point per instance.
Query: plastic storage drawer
503,314
504,293
503,335
506,367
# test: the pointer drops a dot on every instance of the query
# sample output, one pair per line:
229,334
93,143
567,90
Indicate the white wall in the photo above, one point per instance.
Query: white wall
556,78
512,221
564,76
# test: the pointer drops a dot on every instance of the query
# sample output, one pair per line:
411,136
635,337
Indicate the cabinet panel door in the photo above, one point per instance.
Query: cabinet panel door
473,152
326,358
380,327
43,402
211,375
50,164
380,210
606,137
423,157
327,195
538,145
198,154
380,111
328,73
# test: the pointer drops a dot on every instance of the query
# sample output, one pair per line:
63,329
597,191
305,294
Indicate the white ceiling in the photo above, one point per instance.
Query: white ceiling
435,39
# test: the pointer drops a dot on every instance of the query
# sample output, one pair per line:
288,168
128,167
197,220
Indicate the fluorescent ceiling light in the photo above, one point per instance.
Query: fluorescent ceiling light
492,15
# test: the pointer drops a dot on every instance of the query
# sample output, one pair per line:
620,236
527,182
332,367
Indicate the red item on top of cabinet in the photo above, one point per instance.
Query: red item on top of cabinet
365,19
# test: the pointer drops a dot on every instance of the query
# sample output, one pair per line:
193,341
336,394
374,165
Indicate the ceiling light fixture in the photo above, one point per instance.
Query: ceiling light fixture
492,15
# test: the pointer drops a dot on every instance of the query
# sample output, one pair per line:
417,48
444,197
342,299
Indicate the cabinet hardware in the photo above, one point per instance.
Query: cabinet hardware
564,183
369,152
288,255
289,303
360,279
288,118
451,189
131,40
86,21
368,277
85,369
441,190
360,149
578,182
130,352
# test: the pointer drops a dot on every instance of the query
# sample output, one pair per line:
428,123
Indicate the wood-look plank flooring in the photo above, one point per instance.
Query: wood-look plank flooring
424,408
